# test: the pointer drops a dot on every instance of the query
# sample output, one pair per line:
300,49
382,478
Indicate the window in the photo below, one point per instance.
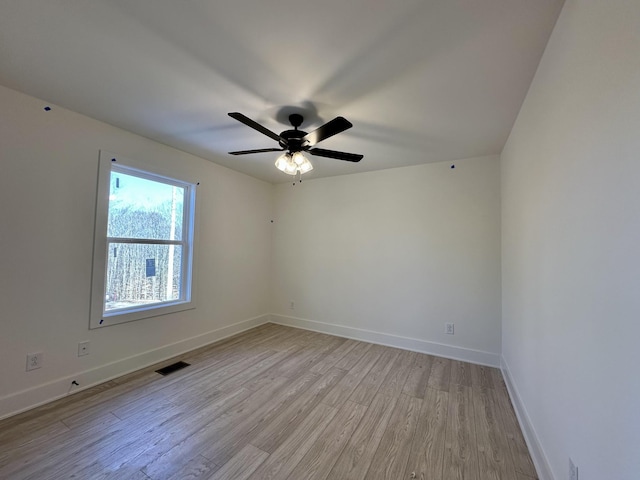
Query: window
143,247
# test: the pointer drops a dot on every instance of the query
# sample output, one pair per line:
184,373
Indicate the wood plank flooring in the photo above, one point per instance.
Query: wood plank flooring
278,403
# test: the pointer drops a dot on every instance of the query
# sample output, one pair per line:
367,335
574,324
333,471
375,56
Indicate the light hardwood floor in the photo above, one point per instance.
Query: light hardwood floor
279,403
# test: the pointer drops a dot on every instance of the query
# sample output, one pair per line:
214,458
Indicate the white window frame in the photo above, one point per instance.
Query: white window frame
98,317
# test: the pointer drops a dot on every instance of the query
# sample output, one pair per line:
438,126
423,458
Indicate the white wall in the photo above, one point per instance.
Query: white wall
398,252
48,174
392,255
571,246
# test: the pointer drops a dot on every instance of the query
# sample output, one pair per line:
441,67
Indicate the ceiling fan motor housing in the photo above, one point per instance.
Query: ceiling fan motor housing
292,140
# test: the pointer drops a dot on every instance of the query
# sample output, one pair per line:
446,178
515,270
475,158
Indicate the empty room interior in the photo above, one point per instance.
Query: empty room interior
320,240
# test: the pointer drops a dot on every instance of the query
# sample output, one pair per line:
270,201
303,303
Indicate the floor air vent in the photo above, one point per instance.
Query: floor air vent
172,368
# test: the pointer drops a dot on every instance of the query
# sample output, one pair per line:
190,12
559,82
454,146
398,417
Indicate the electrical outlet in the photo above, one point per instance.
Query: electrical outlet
83,349
34,360
292,304
573,471
448,328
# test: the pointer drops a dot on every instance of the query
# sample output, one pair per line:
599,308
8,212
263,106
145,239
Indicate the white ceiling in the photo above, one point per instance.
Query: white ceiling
421,80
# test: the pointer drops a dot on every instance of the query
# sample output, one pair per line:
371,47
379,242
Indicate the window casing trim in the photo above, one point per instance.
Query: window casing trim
98,317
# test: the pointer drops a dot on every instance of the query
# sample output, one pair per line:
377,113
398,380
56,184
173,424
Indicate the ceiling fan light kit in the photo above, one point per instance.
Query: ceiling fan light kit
291,164
295,142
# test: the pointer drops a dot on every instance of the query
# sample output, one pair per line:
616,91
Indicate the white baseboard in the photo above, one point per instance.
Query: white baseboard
535,448
33,397
416,345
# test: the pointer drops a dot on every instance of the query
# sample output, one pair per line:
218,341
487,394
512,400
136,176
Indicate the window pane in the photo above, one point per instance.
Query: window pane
142,274
142,208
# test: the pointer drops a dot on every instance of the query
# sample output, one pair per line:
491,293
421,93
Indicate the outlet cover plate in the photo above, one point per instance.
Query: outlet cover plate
34,361
449,328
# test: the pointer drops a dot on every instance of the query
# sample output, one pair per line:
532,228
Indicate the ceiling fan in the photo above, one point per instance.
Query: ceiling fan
295,142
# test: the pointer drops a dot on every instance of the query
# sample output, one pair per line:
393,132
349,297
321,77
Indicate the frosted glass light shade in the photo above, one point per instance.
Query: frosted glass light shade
298,158
283,162
305,166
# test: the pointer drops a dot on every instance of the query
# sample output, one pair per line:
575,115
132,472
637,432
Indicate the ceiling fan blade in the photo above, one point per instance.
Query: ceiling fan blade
329,129
261,150
349,157
255,125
